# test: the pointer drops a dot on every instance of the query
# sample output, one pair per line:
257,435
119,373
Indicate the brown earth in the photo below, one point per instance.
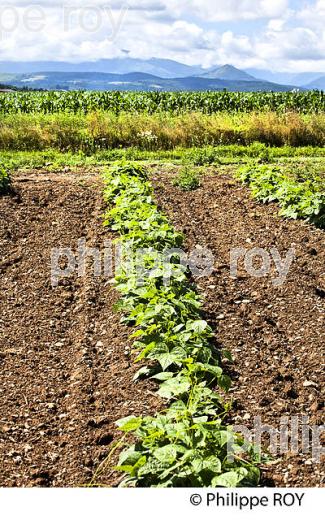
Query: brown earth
66,372
275,334
66,369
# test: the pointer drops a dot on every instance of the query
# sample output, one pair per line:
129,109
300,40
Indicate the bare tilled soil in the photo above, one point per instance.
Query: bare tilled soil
66,372
275,334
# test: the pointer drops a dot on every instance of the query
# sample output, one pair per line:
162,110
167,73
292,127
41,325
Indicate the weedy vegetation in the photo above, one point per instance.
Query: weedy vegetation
101,131
187,179
5,181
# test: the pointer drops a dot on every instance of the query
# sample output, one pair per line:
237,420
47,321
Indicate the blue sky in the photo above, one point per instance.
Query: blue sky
283,35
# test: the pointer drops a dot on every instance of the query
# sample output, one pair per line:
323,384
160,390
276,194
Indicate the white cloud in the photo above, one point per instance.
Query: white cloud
277,24
226,10
177,29
298,43
314,16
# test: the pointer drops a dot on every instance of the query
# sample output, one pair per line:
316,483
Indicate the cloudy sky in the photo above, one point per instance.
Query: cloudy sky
283,35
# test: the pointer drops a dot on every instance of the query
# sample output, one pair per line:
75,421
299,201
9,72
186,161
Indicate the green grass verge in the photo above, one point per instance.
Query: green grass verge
52,159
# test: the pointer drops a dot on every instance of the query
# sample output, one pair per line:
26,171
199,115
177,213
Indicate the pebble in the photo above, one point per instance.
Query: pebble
310,383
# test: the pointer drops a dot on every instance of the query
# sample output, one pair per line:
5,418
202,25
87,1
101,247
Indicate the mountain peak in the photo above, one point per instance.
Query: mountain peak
318,83
228,72
228,67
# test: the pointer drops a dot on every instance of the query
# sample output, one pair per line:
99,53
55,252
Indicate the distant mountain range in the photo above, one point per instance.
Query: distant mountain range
154,74
133,81
301,79
157,67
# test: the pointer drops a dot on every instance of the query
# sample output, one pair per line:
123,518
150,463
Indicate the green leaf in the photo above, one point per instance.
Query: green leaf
143,373
224,437
212,464
230,479
224,382
166,360
174,388
199,326
166,454
129,457
133,469
163,376
205,367
227,355
129,424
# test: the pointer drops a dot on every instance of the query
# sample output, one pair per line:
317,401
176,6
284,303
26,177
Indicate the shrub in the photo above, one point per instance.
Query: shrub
187,179
259,151
204,156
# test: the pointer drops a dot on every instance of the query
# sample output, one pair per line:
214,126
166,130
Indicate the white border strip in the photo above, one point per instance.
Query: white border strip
164,504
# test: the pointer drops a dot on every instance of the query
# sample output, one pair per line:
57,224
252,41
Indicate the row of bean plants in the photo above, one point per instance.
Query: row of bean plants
299,198
189,443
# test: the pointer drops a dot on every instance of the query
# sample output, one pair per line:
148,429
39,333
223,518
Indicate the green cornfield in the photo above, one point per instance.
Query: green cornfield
76,102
